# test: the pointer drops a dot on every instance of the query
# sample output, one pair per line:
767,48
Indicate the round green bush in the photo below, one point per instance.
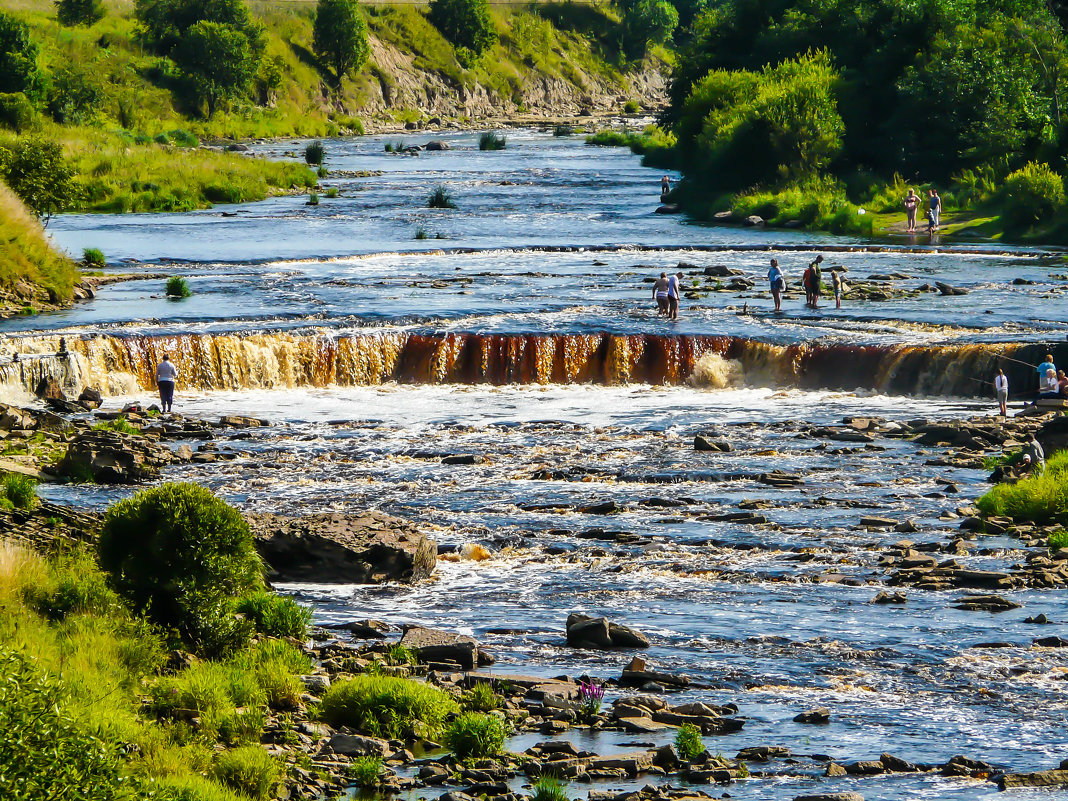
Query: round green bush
1033,194
385,706
16,112
79,12
181,556
474,734
249,770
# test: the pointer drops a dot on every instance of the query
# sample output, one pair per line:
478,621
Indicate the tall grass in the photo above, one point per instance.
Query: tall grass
1041,498
385,706
17,491
474,734
489,140
25,252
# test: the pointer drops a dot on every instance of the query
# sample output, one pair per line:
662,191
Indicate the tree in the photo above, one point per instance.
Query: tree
18,58
465,23
37,172
165,22
340,37
79,12
645,21
217,60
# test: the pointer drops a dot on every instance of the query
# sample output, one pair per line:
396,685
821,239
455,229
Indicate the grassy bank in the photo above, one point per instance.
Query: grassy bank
1040,499
28,263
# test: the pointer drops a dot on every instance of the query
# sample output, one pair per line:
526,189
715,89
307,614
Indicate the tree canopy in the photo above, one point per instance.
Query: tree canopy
340,36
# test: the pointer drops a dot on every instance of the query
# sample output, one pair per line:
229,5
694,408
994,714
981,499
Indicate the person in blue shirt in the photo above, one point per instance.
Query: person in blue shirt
777,282
1043,368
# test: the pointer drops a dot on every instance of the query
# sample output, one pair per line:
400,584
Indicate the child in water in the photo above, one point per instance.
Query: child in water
838,283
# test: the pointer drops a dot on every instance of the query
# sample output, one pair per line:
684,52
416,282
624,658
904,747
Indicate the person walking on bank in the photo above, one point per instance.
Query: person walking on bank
912,204
777,284
165,375
1001,388
674,293
934,203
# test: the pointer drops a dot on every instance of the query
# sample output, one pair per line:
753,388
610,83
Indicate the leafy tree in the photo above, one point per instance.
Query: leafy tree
465,23
79,12
165,22
74,97
37,172
217,60
645,21
18,58
340,37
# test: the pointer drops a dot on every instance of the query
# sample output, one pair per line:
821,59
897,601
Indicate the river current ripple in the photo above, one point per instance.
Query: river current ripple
735,605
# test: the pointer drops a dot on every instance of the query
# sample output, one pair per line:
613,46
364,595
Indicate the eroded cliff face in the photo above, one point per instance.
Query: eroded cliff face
396,82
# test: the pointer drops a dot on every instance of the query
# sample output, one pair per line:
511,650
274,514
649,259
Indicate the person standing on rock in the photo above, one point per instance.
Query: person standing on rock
674,294
1001,388
777,284
165,375
660,293
665,187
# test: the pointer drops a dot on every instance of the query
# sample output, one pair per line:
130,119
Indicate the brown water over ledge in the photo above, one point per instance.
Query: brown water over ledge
283,360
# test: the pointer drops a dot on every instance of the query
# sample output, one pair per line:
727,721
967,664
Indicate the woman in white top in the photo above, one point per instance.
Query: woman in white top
1048,387
1001,387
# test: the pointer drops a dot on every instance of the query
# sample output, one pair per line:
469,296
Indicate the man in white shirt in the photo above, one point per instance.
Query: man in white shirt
165,375
674,293
1001,387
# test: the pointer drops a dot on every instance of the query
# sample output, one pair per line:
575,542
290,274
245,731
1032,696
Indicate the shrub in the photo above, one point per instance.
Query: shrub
76,586
18,490
313,199
180,555
363,771
563,130
94,257
79,12
1032,194
481,698
217,60
490,141
16,112
249,770
314,153
339,37
645,21
549,788
183,138
465,23
46,752
688,742
274,615
18,58
398,654
631,107
440,199
178,287
332,192
384,706
37,172
1058,540
75,97
420,233
474,734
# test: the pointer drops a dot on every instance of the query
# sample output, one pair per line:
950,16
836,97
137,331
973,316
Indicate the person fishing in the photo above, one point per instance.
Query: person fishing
166,373
660,294
777,284
1001,389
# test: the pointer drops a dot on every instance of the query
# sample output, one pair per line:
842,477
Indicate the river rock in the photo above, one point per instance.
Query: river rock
433,645
721,270
985,603
356,745
948,289
600,633
753,220
49,387
702,443
435,145
897,764
830,797
366,548
1043,778
91,398
108,457
12,418
816,716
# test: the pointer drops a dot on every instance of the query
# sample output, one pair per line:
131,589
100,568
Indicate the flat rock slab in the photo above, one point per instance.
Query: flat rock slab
1043,778
432,645
366,548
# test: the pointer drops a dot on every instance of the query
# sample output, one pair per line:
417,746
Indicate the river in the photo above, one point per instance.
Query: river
526,336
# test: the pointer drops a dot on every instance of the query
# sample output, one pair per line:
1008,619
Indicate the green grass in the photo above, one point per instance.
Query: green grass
440,199
363,772
178,287
250,771
688,742
476,735
1058,540
120,424
398,654
384,706
275,615
481,698
1041,498
549,788
489,140
27,255
94,257
18,491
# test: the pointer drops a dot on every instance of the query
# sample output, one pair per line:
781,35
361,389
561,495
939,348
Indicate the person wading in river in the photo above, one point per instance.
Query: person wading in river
777,284
165,375
1001,388
813,282
660,294
674,293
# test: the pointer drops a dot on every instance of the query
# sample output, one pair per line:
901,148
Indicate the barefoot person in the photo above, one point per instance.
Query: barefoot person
912,204
674,293
165,375
660,294
1001,388
777,283
815,281
838,284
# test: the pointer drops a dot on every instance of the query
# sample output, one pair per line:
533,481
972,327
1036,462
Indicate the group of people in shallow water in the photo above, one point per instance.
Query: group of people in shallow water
811,280
912,209
666,291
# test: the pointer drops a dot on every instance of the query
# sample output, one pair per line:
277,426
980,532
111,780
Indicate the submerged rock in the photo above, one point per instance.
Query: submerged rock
600,633
367,548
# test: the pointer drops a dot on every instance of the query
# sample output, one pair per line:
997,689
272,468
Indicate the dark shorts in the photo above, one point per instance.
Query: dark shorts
166,392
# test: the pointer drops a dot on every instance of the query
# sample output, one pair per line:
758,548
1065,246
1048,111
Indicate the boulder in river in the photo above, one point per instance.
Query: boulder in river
753,220
436,145
949,289
366,548
91,398
432,645
108,457
584,631
848,796
703,443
